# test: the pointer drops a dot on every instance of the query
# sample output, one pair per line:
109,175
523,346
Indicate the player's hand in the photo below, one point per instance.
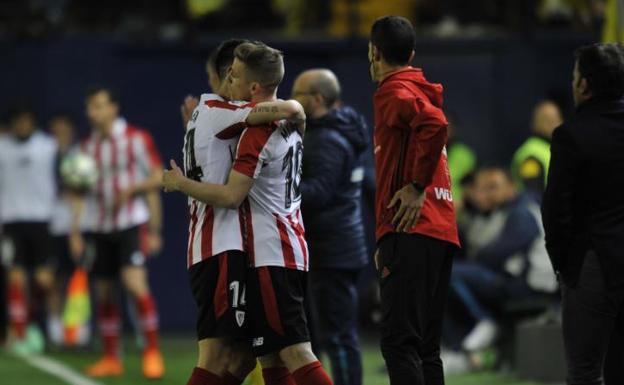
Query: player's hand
410,203
122,198
187,108
172,178
76,245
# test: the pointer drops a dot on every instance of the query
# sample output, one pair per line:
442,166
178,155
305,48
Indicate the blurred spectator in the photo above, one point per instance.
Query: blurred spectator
586,14
529,165
506,260
350,17
62,128
331,190
462,161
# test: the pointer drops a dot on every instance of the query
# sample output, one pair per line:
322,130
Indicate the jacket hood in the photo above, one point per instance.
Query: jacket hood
347,122
417,78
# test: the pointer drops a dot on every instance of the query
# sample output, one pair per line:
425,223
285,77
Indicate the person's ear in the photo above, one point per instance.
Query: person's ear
376,54
584,87
255,88
319,99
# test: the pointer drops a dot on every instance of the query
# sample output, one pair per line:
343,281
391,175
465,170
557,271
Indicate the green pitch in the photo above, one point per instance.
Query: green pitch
180,355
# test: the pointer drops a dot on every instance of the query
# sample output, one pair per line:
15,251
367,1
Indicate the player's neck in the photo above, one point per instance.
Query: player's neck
386,70
106,129
261,97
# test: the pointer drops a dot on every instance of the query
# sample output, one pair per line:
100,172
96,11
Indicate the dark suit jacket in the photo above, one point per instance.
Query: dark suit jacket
583,205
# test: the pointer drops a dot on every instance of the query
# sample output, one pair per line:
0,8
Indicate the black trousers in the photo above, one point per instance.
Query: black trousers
593,328
334,297
414,282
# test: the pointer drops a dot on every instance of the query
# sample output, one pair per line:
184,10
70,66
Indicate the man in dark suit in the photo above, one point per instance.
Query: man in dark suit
583,213
335,143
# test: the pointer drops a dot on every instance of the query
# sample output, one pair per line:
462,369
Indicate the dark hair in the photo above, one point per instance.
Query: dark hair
63,116
111,92
394,37
19,111
602,65
265,65
496,167
221,58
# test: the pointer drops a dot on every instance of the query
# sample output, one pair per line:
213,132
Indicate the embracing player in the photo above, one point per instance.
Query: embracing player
267,168
215,254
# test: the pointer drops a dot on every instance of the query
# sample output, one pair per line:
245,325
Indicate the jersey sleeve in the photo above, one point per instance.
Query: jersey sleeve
427,137
252,151
227,118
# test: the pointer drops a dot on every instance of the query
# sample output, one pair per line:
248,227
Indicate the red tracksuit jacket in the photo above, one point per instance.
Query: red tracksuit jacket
410,140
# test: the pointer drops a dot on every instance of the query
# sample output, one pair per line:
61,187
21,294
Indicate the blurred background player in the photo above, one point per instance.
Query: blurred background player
27,198
529,165
62,128
331,190
129,167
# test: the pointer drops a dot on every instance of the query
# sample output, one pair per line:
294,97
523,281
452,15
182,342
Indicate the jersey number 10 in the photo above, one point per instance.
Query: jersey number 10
292,166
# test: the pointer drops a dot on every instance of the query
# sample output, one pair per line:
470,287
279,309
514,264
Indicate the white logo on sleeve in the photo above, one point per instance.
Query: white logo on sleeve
259,341
443,193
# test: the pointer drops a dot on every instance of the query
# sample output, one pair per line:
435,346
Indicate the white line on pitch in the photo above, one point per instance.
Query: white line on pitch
58,369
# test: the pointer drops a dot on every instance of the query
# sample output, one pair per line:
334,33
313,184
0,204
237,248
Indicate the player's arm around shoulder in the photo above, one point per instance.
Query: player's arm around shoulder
267,112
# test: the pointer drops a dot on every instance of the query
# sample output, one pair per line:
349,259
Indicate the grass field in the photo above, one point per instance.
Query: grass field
180,355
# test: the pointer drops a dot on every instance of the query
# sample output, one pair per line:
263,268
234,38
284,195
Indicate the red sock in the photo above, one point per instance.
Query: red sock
203,377
148,317
277,376
230,379
110,325
312,374
18,312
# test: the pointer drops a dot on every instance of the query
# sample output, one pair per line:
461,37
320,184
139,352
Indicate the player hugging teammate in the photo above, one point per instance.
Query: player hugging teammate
246,249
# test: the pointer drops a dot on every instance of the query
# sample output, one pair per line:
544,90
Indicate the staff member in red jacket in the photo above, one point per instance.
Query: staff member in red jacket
416,230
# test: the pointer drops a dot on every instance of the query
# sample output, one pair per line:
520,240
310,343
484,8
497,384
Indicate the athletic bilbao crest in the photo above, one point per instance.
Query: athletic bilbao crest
240,317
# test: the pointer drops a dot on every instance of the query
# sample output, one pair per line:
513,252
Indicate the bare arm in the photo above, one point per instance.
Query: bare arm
154,225
267,112
230,195
77,204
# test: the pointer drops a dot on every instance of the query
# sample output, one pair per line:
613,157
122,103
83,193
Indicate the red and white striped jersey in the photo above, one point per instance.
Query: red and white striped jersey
209,146
124,158
273,222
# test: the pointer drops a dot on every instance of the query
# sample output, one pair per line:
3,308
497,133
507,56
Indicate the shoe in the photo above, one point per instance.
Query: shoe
153,364
482,336
106,367
455,362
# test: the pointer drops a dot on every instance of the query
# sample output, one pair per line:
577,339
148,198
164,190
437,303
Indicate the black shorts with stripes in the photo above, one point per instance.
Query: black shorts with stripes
219,286
276,314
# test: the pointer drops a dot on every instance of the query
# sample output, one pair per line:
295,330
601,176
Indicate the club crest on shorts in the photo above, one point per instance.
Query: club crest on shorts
137,258
240,317
259,341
